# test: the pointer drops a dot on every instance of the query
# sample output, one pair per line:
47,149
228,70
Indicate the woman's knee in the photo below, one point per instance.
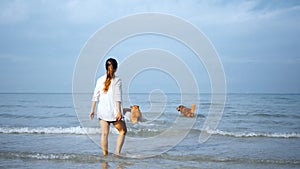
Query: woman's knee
104,128
105,134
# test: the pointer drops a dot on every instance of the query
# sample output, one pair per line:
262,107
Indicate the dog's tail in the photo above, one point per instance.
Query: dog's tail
125,110
193,108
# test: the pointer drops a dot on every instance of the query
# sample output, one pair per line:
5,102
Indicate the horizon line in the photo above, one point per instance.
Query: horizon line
296,93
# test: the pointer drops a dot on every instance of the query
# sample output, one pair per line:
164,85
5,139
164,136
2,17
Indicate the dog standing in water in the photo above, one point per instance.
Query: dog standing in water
187,112
135,113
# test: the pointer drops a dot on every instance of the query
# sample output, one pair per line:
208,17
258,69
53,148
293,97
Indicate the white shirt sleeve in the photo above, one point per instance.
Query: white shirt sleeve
117,90
97,91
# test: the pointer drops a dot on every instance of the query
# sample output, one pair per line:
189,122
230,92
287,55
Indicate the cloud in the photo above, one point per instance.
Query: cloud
233,12
12,12
91,11
253,33
256,31
85,11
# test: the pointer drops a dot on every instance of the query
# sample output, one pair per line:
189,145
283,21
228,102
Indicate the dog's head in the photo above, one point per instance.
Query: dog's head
179,107
135,107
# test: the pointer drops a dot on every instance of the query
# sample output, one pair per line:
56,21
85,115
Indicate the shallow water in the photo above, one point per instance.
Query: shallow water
256,131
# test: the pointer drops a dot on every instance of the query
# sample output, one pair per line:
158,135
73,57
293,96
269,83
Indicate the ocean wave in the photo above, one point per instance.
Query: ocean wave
253,134
54,107
49,130
140,132
276,115
12,106
228,159
39,116
51,156
75,130
95,158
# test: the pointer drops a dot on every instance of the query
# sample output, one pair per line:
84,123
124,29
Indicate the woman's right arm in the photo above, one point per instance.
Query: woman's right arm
95,100
92,113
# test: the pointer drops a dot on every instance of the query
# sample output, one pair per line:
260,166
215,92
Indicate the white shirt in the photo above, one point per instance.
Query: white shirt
107,109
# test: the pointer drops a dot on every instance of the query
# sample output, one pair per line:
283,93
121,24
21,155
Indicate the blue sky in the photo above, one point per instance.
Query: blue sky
257,41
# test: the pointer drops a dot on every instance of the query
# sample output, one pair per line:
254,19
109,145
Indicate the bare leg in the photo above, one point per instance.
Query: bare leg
104,136
121,127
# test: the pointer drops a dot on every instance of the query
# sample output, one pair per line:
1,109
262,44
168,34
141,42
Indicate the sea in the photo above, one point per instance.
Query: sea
47,130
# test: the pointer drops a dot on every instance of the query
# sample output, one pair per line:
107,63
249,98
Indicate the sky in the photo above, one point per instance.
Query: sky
258,42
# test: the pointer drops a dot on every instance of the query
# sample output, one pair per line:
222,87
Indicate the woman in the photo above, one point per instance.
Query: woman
108,93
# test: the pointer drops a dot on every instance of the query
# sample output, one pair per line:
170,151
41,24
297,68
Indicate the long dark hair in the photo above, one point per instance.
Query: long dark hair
111,66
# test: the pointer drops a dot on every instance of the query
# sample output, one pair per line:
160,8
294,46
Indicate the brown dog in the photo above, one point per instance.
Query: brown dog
187,112
135,115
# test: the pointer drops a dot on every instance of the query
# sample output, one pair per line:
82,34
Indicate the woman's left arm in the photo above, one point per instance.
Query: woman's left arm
119,115
118,98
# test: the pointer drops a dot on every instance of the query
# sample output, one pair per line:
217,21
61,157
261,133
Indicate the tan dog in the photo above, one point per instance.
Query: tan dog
135,115
187,112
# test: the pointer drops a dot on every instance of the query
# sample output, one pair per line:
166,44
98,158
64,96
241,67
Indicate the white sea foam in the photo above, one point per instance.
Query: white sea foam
49,130
81,131
68,130
50,156
94,158
253,134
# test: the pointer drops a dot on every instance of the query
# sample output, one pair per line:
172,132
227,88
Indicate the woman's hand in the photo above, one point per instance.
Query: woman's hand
92,110
119,116
92,115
